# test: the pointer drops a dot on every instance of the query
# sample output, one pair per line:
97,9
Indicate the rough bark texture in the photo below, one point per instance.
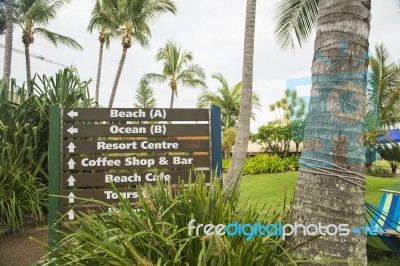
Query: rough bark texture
174,88
333,142
242,137
8,43
28,67
171,103
99,71
117,76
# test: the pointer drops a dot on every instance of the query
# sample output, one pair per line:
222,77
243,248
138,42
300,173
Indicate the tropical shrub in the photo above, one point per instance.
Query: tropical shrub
273,137
379,171
24,134
267,163
390,152
22,195
157,234
225,163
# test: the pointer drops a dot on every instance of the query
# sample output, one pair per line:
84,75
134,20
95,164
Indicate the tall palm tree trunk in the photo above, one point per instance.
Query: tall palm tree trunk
242,137
331,185
28,68
171,103
99,72
8,43
120,66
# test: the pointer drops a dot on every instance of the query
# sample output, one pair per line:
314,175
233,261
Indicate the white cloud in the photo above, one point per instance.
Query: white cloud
212,30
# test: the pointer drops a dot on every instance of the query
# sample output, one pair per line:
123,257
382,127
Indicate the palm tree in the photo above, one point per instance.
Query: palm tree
331,184
9,7
133,18
384,87
177,68
32,16
227,99
295,21
272,108
145,95
233,176
101,20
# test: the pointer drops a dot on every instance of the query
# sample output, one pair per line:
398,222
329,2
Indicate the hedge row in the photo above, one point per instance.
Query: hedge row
266,163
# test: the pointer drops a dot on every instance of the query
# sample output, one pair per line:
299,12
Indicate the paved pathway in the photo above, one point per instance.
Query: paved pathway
16,250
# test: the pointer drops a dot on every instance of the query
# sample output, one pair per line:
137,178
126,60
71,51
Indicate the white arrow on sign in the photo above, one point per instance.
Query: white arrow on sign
71,215
71,181
71,164
71,198
72,130
72,114
71,147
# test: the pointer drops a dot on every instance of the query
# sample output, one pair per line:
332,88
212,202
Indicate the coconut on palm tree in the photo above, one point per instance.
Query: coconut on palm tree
134,18
178,69
32,16
228,100
101,20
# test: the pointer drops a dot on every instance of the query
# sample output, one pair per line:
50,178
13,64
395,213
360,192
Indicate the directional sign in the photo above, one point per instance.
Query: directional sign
112,146
136,130
135,162
135,114
104,179
71,147
72,114
71,215
94,207
71,181
105,195
93,152
71,197
71,164
72,130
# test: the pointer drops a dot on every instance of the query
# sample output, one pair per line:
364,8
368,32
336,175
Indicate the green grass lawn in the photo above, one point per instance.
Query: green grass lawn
271,188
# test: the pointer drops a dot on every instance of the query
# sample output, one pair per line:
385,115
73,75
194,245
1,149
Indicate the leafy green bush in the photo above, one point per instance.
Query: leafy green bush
379,172
158,233
225,163
24,134
292,163
390,152
22,198
22,195
266,163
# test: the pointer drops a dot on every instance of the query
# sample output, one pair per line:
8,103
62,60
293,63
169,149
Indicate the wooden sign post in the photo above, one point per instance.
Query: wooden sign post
91,148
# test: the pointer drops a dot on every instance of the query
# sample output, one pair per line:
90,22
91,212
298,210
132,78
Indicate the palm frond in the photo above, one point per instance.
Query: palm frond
221,79
384,89
192,83
190,72
101,18
155,77
56,38
295,21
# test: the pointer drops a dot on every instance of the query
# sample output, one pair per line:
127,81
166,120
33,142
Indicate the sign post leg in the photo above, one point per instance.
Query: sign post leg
54,174
216,142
